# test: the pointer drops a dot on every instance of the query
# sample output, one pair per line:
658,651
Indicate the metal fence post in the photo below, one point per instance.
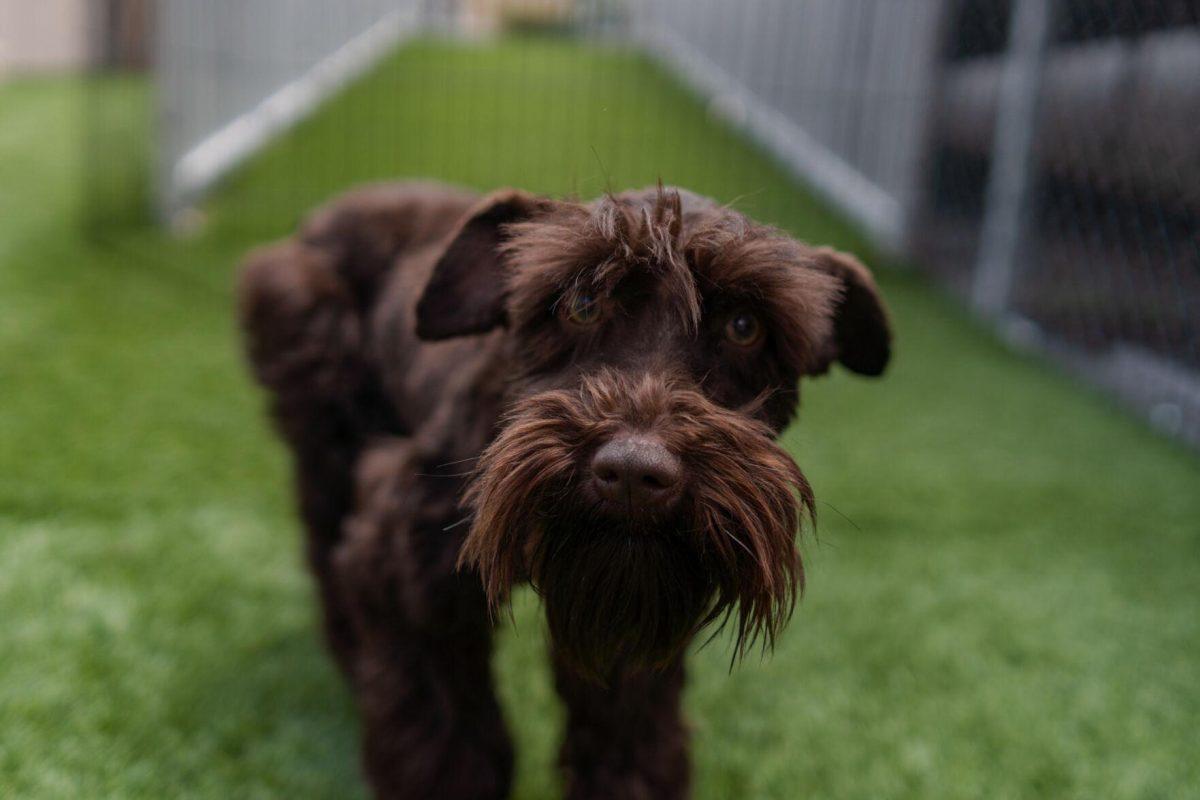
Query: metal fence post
1010,177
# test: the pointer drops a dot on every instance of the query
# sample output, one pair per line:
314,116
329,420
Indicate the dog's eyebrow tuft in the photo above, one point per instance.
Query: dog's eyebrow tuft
597,246
734,257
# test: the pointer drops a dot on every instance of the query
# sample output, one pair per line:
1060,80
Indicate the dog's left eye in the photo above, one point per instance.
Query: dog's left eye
583,309
743,329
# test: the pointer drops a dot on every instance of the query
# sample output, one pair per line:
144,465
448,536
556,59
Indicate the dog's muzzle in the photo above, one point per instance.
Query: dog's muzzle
641,512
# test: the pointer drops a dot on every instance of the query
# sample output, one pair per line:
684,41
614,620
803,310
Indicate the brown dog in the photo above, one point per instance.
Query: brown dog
481,391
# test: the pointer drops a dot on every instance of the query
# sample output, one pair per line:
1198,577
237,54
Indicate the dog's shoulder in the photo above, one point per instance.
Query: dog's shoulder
367,228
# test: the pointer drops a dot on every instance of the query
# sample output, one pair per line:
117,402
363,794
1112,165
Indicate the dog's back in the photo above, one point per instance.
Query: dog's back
328,318
306,304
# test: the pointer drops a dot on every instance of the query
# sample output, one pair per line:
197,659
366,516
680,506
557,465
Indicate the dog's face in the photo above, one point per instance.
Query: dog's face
656,340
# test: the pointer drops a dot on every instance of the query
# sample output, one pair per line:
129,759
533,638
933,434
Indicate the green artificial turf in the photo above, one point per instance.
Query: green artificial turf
1004,595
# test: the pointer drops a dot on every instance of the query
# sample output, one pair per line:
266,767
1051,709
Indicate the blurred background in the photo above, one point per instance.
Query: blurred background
1005,589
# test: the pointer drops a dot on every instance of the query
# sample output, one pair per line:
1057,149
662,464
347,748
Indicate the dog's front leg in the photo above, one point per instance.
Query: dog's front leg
432,727
625,739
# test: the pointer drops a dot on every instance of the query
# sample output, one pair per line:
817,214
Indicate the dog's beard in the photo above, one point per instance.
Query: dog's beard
617,595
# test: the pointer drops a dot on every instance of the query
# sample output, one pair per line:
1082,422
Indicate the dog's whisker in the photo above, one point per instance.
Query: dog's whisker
733,203
737,541
840,514
458,461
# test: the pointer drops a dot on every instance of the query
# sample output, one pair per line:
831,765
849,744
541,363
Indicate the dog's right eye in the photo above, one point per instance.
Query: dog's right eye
583,308
743,329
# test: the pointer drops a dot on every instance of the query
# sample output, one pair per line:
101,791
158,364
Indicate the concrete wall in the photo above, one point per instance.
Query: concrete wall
43,35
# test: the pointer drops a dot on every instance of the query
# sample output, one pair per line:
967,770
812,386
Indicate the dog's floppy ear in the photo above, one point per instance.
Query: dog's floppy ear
465,293
861,331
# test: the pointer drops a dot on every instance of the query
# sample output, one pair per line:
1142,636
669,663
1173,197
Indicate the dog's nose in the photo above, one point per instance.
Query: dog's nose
637,472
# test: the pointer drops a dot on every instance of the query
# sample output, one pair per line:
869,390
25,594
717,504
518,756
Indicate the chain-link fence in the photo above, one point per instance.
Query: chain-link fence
1041,158
1064,194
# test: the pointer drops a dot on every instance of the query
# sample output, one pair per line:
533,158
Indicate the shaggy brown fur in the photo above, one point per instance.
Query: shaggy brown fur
446,369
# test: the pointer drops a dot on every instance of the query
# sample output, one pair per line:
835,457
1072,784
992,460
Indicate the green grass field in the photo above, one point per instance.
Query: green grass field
1004,595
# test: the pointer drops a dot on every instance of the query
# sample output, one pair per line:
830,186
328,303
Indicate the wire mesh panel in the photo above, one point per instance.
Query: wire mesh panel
1039,159
233,74
838,89
425,106
1100,264
1117,163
